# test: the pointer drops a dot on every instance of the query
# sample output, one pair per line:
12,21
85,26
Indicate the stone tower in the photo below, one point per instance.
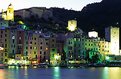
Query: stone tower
112,35
9,14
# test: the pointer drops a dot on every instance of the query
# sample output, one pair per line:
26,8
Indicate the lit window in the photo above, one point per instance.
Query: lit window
19,37
13,37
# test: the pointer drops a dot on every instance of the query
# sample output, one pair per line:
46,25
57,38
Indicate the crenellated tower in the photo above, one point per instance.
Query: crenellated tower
9,14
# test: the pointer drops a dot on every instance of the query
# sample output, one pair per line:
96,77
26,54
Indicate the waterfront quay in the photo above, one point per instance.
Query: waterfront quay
44,65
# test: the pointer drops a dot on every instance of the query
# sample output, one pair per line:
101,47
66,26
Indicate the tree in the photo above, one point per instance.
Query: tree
87,58
95,58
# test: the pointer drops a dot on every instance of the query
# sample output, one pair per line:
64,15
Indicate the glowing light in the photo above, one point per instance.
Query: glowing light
11,61
34,62
107,57
113,73
72,25
15,62
93,34
56,73
24,26
56,56
55,60
71,28
20,22
112,34
115,40
2,74
9,14
46,48
1,48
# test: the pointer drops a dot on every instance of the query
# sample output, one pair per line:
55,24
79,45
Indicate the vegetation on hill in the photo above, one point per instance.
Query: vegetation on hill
93,16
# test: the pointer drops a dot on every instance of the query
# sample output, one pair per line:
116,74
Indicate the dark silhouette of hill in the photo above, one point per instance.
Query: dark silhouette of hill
93,16
52,19
101,15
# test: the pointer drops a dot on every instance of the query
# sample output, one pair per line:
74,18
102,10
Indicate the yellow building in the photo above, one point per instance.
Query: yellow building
9,14
5,44
104,48
33,46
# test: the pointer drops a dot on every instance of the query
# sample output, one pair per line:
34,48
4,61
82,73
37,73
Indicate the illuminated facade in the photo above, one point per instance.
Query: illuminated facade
33,46
112,35
37,47
43,54
60,40
25,52
1,54
70,48
91,46
13,43
104,48
72,25
53,51
93,34
20,44
4,42
74,48
9,14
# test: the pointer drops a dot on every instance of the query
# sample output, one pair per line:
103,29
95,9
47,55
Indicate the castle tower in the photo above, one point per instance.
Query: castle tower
10,13
72,25
112,35
3,15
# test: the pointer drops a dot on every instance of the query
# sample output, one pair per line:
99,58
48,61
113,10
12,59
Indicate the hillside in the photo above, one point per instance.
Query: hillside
93,16
53,19
101,15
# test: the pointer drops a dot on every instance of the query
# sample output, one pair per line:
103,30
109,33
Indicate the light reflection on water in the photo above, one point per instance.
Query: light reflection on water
105,73
112,73
25,73
61,73
2,74
56,73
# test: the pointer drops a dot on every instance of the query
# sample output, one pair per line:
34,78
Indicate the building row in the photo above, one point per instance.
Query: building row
38,47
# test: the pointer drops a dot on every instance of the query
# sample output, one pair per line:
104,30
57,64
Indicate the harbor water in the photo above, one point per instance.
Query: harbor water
61,73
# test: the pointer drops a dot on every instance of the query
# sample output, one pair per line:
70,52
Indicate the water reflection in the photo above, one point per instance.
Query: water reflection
61,73
105,73
12,73
15,73
2,74
56,73
26,73
111,73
